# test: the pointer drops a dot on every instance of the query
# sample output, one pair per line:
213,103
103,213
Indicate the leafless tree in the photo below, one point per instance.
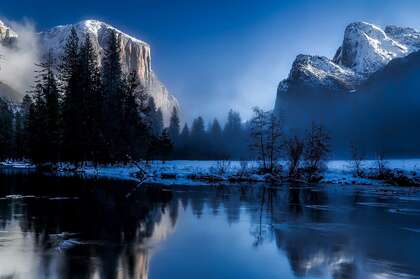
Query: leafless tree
222,167
294,147
356,163
317,149
274,140
381,167
266,134
243,167
258,144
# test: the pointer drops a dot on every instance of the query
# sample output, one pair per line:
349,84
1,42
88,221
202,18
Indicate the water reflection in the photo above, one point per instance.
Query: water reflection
70,228
82,231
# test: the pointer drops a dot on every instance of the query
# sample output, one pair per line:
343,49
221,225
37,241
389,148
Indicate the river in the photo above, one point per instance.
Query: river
64,227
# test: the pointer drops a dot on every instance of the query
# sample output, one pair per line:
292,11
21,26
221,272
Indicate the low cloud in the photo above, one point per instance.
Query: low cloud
18,62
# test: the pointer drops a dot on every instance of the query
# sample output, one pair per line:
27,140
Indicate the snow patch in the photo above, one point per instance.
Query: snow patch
366,48
206,172
135,56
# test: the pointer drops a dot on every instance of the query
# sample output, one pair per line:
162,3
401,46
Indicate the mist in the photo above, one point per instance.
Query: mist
381,117
18,61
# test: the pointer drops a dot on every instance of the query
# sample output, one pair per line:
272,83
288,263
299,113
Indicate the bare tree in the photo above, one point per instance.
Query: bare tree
317,149
258,126
356,163
266,134
243,167
274,140
382,170
294,147
222,167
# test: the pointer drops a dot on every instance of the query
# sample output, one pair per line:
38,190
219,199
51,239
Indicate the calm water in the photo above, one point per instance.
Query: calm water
69,228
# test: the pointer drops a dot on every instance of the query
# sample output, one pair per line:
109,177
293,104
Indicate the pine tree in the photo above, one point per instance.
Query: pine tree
165,145
37,123
184,137
150,116
174,126
216,145
52,103
198,138
142,99
216,131
6,129
182,149
18,131
92,112
69,62
233,135
159,122
134,130
112,81
160,147
23,139
45,116
155,117
69,74
197,131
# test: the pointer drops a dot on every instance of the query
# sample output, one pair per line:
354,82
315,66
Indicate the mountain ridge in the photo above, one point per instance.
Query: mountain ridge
367,95
366,49
135,54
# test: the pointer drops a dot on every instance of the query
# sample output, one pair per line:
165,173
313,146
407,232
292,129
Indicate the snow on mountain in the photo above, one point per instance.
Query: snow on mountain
7,35
366,49
7,39
135,56
405,35
319,70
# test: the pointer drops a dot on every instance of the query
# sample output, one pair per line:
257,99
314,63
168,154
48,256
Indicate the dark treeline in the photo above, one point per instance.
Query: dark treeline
211,141
78,112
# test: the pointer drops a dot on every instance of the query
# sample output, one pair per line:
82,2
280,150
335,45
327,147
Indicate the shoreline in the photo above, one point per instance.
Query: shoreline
204,173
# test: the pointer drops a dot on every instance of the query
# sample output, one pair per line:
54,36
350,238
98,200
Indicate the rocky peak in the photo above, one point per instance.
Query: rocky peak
407,36
320,70
7,35
135,56
366,48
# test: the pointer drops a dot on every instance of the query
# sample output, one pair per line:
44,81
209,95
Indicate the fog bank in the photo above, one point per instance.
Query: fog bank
18,60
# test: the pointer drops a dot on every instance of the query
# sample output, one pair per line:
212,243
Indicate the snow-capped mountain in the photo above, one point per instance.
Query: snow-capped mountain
7,39
135,56
367,94
320,71
7,35
366,49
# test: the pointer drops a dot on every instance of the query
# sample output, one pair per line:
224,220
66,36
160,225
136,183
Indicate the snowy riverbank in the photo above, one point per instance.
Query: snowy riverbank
217,172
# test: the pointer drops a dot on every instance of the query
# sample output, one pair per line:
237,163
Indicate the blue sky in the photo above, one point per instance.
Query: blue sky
220,54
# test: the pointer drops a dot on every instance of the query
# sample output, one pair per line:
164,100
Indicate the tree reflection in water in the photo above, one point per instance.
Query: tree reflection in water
112,231
323,232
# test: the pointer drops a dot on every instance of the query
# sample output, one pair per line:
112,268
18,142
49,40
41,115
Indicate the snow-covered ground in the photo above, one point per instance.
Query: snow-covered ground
207,172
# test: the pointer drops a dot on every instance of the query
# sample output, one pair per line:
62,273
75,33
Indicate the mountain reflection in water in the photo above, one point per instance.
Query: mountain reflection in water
71,228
